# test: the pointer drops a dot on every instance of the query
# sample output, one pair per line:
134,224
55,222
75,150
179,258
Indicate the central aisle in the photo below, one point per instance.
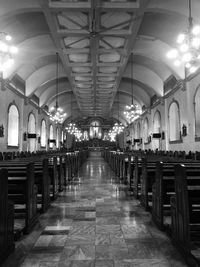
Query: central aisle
94,222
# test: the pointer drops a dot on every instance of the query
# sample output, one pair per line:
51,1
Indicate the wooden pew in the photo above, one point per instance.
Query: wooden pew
136,171
6,218
147,179
164,182
54,182
52,172
22,190
42,180
164,188
185,209
60,169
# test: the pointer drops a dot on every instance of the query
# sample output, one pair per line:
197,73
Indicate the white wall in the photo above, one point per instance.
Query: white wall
185,99
7,97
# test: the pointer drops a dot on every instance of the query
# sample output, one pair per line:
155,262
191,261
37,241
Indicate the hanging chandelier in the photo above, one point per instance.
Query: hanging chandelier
117,127
6,51
188,46
132,111
56,113
71,128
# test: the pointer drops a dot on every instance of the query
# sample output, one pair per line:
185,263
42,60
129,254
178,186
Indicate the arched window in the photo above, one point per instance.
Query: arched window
57,138
51,135
146,130
174,122
197,112
156,142
43,133
31,130
13,126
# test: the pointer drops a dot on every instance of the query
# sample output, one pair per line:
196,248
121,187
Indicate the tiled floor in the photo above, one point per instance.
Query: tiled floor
95,222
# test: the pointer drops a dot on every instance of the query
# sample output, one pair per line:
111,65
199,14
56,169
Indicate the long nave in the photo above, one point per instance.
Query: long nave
100,133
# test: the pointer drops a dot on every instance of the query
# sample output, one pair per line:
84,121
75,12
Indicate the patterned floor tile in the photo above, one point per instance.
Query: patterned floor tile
77,263
78,252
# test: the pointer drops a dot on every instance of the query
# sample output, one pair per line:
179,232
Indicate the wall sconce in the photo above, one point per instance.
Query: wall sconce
1,131
163,135
184,130
24,136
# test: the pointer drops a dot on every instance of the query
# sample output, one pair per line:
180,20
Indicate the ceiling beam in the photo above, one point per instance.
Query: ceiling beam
135,25
51,21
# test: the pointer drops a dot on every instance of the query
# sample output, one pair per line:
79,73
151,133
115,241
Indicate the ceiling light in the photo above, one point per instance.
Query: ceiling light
56,113
132,111
188,46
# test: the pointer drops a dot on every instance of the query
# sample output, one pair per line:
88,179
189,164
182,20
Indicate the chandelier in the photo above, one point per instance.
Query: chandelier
188,46
56,113
71,128
6,51
132,111
117,127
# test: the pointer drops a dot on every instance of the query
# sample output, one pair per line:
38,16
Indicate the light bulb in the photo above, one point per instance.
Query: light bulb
193,69
172,53
177,63
8,37
196,30
196,42
181,38
3,47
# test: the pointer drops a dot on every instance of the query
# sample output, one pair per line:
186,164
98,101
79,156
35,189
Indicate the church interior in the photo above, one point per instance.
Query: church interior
99,133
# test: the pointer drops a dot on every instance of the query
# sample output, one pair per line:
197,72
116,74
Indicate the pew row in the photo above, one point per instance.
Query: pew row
22,191
6,218
185,209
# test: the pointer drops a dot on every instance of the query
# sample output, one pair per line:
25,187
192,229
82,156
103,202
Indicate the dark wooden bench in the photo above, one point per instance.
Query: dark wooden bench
185,208
136,171
42,180
6,218
52,172
22,190
164,188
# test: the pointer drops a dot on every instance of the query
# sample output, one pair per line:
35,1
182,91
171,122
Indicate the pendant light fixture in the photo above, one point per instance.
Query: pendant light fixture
132,111
117,128
188,46
56,113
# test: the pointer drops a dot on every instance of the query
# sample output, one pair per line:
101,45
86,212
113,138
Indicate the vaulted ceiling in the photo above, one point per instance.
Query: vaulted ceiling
95,40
